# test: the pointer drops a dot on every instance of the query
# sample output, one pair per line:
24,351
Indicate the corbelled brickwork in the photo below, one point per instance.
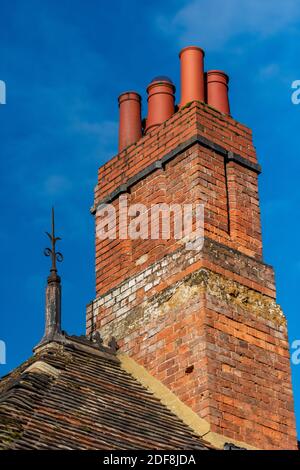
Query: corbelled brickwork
205,323
118,303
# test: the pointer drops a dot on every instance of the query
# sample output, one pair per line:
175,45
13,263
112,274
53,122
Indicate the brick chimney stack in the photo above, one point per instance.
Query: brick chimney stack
204,322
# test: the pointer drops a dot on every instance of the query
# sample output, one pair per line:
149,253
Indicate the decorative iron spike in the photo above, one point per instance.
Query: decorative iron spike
53,293
55,255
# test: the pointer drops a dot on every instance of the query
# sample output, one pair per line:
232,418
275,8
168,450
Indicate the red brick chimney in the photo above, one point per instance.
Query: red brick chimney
204,322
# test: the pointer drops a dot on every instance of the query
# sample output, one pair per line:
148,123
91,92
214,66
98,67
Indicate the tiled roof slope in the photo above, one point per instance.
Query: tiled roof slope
64,398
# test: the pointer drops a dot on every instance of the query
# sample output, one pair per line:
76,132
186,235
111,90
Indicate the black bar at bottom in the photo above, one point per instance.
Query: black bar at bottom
150,459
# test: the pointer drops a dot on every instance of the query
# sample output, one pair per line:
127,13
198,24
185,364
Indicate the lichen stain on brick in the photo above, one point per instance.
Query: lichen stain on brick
183,292
233,293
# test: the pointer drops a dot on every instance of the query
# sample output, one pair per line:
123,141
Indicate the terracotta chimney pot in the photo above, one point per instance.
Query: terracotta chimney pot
130,125
217,90
192,74
160,102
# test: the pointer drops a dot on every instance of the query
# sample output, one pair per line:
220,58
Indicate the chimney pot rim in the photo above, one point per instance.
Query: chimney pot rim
197,48
218,72
125,96
170,85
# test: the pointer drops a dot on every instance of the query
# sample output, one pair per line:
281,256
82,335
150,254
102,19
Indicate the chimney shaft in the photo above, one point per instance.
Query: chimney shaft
192,74
130,125
217,90
160,102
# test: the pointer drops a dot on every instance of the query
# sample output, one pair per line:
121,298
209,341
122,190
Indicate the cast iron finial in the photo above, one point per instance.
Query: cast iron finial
53,330
55,255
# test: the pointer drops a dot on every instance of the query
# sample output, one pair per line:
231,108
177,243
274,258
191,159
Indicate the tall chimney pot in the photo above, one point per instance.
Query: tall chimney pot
192,74
130,125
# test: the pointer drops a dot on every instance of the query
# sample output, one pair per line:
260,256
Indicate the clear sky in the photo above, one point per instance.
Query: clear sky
65,63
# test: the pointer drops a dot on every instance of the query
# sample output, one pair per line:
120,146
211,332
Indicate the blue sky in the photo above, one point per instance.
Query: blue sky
65,63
